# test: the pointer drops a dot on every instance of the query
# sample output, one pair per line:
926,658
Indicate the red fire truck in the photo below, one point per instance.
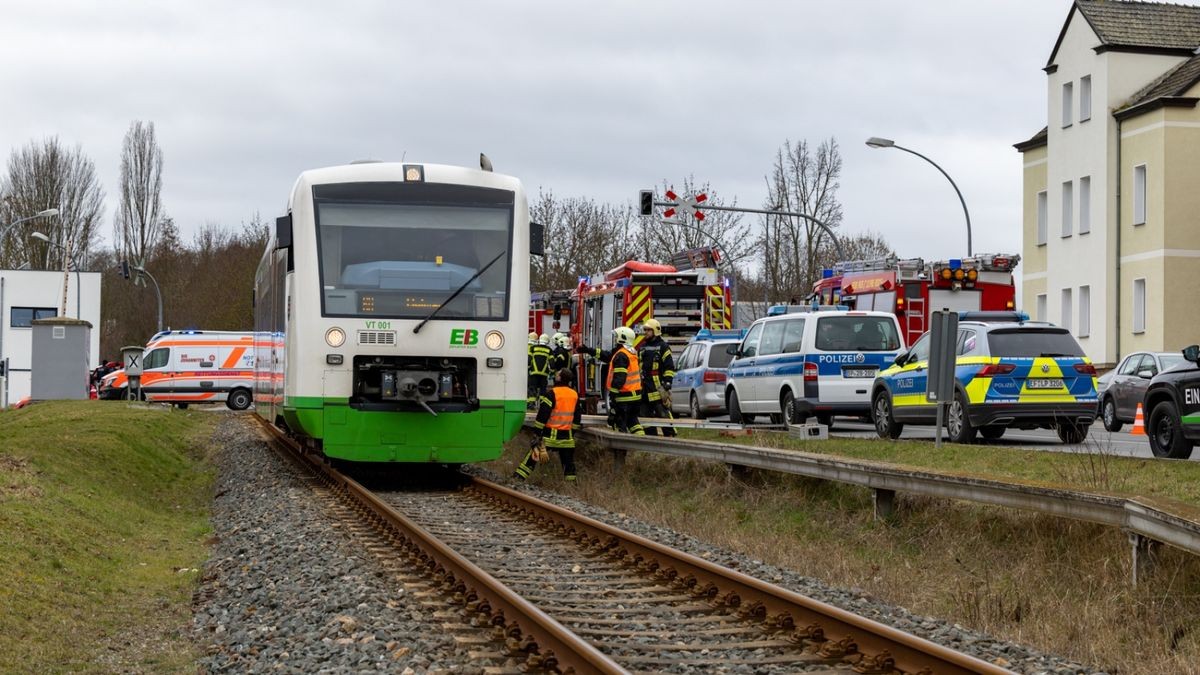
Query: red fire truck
683,298
913,288
550,312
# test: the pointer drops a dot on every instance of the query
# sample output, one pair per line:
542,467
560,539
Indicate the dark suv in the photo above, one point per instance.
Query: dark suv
1173,408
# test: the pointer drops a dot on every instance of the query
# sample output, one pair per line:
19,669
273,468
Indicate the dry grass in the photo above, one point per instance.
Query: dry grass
1057,585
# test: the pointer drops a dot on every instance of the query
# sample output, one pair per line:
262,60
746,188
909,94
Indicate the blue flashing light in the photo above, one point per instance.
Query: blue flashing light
719,334
826,273
955,263
993,316
585,279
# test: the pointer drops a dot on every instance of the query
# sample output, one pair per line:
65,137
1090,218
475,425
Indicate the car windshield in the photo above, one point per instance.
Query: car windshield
396,252
718,357
857,334
1033,342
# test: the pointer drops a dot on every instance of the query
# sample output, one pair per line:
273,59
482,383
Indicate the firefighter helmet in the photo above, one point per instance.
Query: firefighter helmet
652,325
544,339
533,338
623,335
561,340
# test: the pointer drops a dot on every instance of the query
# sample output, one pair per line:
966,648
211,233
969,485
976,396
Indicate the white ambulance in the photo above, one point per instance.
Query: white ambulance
192,366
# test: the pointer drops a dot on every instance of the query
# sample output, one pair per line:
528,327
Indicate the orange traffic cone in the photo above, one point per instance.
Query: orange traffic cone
1139,423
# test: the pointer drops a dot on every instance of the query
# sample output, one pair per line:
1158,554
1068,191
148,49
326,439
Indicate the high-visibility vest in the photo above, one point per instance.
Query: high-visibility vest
563,415
539,360
633,376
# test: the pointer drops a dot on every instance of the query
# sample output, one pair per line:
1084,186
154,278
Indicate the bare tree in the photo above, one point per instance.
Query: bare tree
582,237
47,175
139,216
802,181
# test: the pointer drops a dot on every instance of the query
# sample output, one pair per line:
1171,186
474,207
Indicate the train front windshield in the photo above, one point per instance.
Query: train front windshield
404,255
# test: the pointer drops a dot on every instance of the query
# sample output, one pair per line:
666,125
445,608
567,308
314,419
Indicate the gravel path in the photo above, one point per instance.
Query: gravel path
286,592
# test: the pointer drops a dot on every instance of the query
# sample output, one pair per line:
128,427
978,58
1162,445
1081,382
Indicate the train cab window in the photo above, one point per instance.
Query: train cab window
157,358
400,251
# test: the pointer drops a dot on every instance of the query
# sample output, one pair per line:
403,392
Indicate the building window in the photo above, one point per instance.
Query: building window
1139,305
1139,194
23,317
1085,311
1068,205
1066,104
1066,309
1085,98
1041,216
1085,205
1040,315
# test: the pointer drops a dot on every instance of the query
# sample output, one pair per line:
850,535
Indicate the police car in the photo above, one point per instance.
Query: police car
701,372
810,364
1010,373
1172,408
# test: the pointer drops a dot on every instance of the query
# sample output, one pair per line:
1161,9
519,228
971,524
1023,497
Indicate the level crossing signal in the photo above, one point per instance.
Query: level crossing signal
687,206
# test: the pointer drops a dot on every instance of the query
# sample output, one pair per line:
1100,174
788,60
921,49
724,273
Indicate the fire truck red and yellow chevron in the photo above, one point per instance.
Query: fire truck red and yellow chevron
982,386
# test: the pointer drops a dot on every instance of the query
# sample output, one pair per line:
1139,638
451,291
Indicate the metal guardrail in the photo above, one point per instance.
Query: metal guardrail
1138,518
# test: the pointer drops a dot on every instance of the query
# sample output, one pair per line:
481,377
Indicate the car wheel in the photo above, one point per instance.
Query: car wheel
1166,436
885,425
694,408
239,399
735,411
993,433
1108,412
788,406
958,425
1071,432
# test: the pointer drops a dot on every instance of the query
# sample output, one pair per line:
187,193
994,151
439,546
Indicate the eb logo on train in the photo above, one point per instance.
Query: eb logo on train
464,337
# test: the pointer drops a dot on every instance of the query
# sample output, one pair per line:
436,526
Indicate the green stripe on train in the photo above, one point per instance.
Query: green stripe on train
371,436
1191,419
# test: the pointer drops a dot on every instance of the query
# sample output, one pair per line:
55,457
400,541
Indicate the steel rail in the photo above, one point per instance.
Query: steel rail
557,647
782,608
1133,515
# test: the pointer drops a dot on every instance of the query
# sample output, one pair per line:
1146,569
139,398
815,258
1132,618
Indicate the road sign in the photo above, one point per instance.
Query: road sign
687,206
939,385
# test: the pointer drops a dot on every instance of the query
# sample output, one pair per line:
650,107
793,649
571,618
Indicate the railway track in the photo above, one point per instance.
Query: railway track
560,592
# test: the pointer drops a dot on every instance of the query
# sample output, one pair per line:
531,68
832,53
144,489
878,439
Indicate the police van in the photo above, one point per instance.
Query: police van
791,367
1173,408
193,366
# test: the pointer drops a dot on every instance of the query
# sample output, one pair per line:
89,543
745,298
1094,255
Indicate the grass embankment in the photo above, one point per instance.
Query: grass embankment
1055,584
103,515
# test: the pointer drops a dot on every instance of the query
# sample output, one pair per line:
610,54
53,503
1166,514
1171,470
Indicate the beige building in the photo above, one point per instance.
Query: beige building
1111,206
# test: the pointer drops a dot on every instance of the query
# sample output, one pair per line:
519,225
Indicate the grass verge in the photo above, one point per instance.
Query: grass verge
1054,584
103,517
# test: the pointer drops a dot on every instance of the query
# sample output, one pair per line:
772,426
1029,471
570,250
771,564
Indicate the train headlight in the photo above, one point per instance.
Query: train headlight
335,337
494,340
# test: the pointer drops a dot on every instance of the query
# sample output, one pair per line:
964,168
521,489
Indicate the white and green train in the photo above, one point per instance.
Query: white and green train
390,313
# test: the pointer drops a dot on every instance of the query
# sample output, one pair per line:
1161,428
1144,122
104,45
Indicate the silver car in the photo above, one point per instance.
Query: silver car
1126,385
700,373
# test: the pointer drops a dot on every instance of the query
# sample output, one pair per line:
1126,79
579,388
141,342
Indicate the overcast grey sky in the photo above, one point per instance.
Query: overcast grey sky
593,99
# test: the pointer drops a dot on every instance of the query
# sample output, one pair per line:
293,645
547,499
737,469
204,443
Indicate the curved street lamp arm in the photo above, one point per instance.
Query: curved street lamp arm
157,292
837,243
952,184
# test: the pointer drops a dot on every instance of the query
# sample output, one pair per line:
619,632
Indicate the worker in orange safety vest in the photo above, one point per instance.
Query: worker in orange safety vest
559,416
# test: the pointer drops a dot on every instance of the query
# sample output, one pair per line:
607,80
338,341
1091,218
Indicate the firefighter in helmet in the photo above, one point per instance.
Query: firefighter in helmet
529,393
539,369
560,353
658,372
625,382
559,416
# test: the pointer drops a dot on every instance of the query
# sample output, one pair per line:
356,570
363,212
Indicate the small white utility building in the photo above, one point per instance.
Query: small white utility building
26,295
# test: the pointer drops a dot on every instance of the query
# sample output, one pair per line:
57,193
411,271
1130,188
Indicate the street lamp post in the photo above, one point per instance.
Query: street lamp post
157,292
74,261
40,214
876,142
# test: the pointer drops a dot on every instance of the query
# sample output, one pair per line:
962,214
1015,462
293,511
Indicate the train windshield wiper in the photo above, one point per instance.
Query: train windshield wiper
456,292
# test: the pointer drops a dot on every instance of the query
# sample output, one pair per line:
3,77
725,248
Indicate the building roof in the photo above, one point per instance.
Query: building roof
1038,140
1168,89
1128,25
